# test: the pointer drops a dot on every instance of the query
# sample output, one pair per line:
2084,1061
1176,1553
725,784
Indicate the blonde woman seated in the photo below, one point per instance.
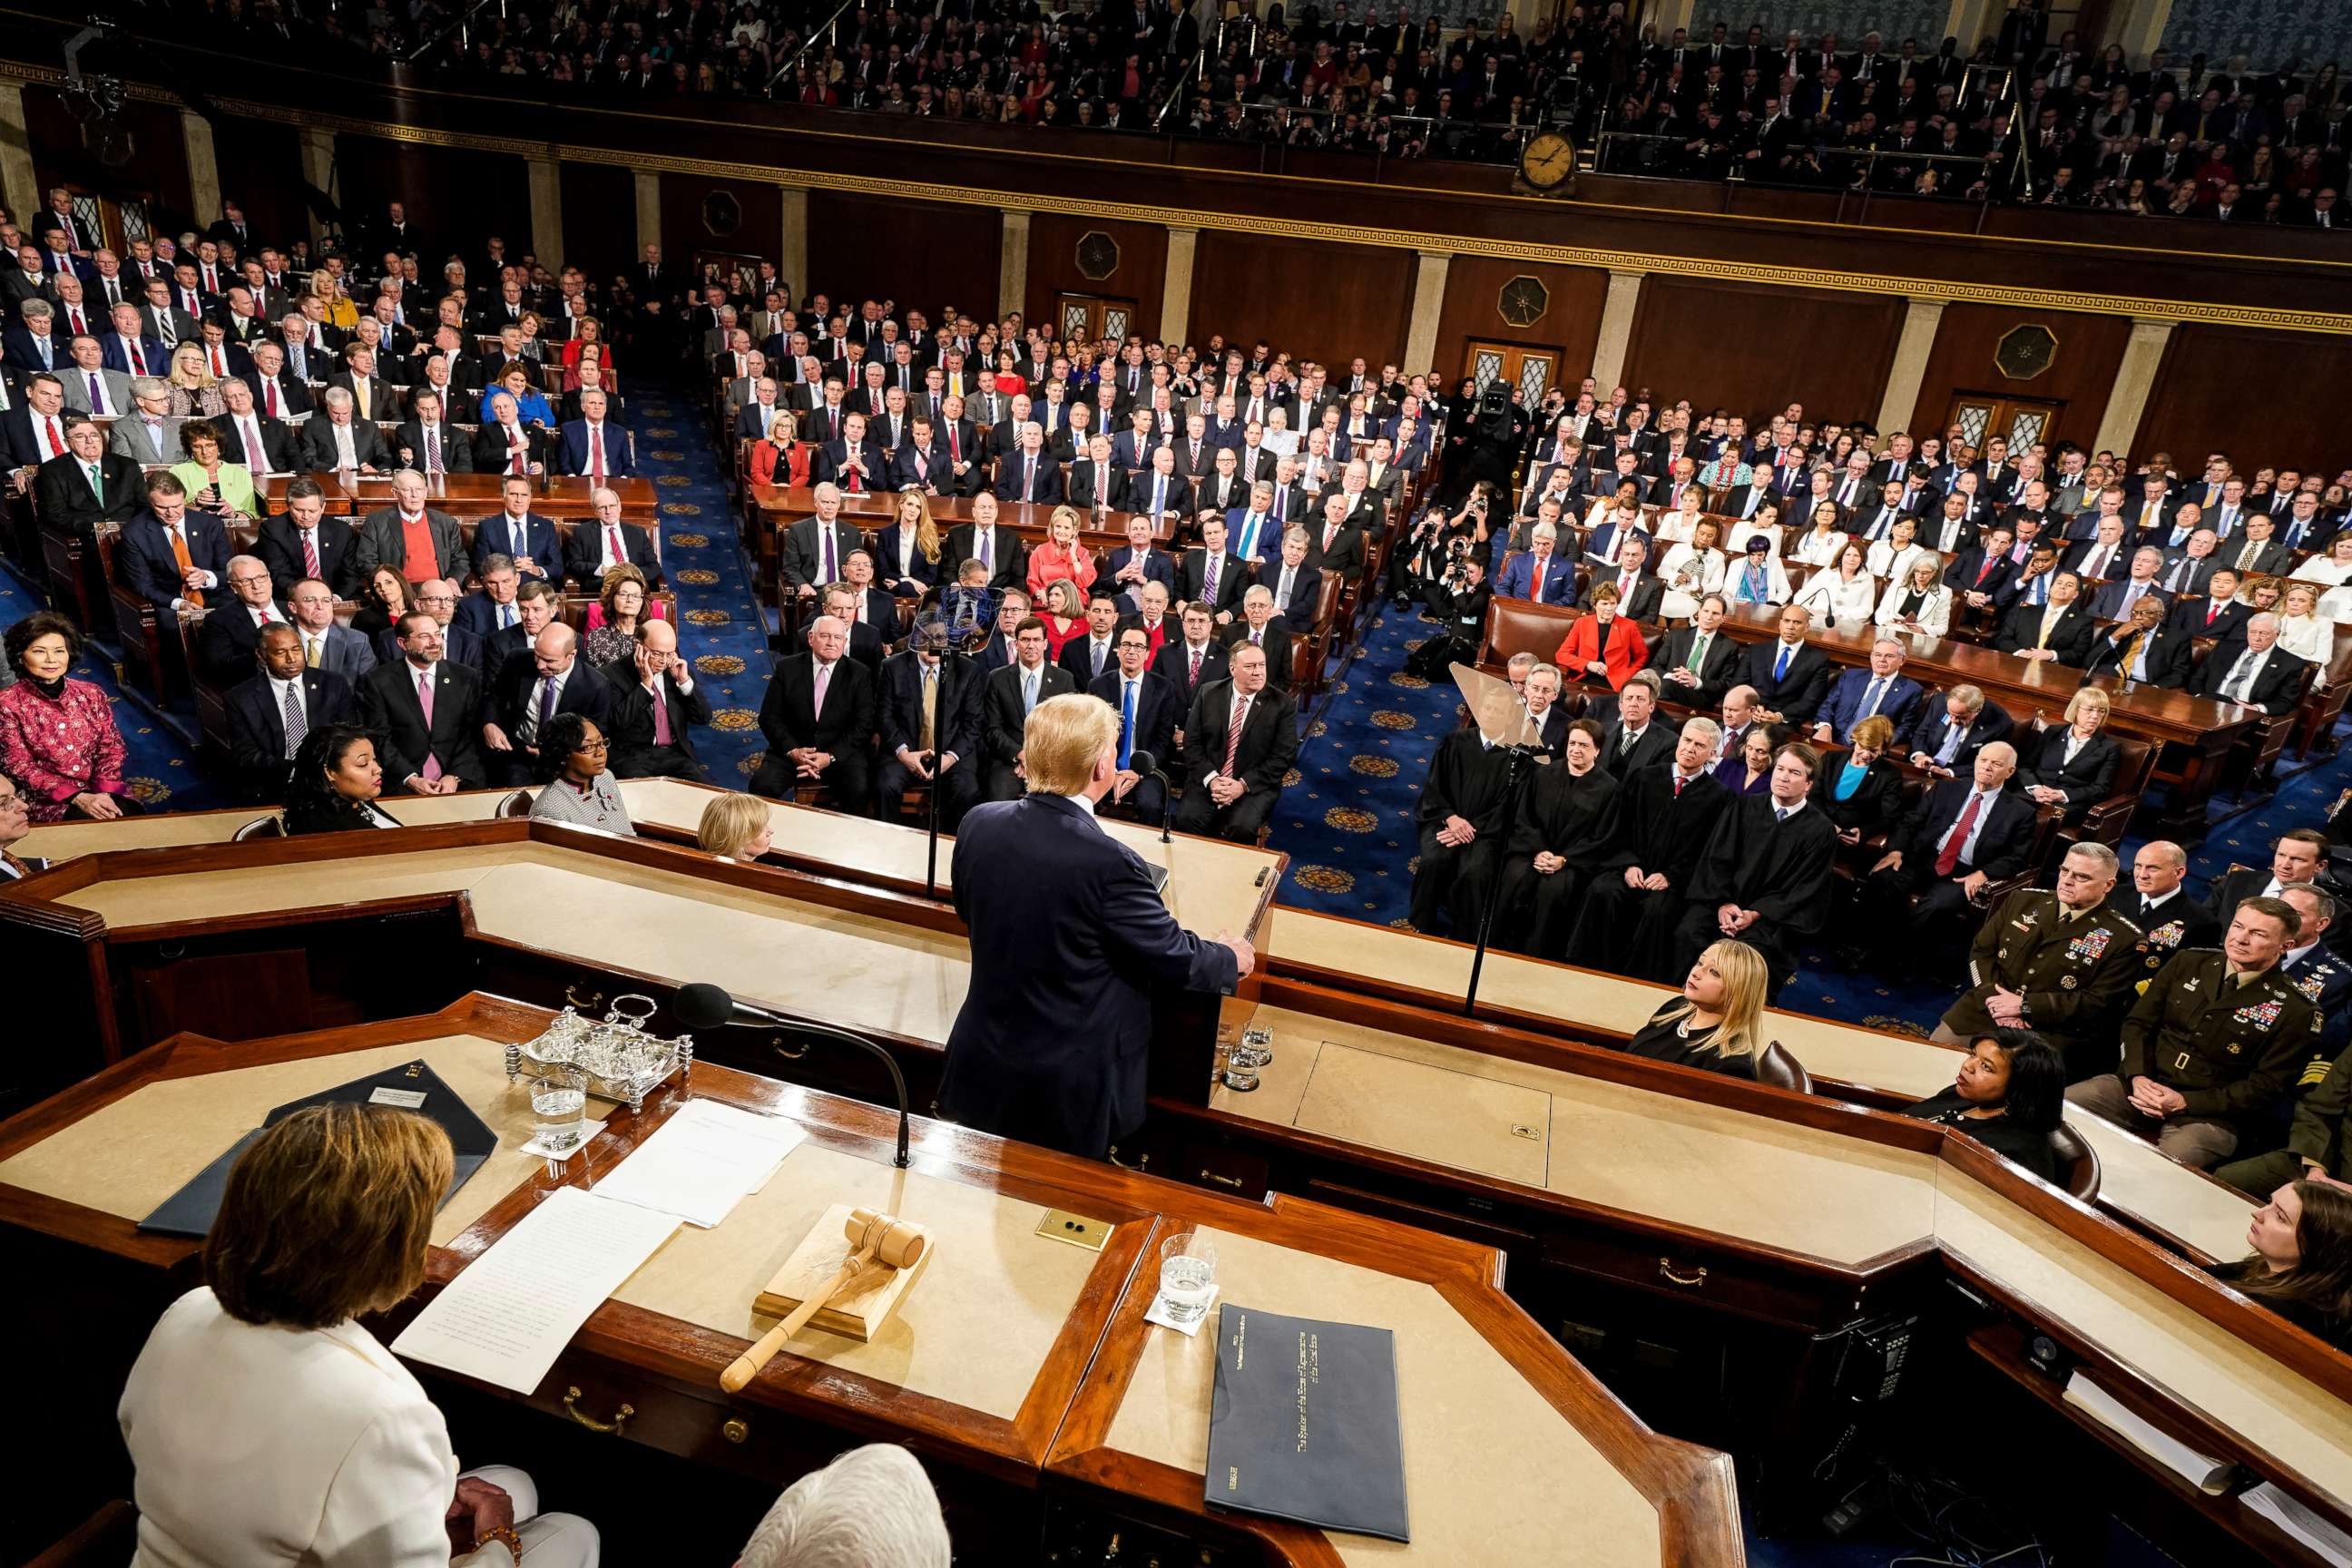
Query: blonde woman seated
1680,525
1062,558
1845,592
1820,542
266,1425
1718,1023
195,390
1921,604
1691,571
736,827
2302,630
1890,558
2332,569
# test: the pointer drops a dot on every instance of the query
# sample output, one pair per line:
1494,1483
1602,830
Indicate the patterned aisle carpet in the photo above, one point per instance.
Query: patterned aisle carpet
724,636
1347,821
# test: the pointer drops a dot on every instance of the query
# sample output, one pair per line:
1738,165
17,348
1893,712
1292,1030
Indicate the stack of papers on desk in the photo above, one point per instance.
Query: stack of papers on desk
706,1159
2299,1521
507,1316
2204,1471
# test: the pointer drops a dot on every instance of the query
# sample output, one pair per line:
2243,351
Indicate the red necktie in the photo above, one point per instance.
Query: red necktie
955,447
57,438
1678,786
613,543
138,362
310,551
1234,734
218,367
1950,858
73,320
596,452
270,397
1196,667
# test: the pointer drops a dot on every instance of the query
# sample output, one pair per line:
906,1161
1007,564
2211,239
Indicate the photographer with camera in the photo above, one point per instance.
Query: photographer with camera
1457,597
1418,564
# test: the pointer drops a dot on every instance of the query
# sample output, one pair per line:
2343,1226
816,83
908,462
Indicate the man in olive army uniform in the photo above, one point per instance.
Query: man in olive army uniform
2319,1145
2215,1037
2061,963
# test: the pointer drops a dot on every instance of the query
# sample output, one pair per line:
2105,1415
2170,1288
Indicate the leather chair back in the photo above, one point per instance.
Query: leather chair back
2078,1162
1781,1070
270,826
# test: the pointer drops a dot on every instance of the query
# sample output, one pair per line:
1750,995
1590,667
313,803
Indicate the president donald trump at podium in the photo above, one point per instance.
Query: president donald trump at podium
1069,940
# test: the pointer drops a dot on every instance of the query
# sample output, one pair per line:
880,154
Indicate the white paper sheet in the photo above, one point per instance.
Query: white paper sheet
702,1162
509,1314
2299,1521
2204,1471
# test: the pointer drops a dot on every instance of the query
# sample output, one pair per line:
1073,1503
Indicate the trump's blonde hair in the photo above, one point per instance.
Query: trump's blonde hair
1064,738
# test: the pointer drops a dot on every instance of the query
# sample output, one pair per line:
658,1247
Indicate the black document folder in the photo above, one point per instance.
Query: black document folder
1303,1424
411,1085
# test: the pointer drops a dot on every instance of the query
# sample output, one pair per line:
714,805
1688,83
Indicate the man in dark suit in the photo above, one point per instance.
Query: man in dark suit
1013,692
1261,626
1631,735
818,718
2168,916
1029,474
815,548
372,398
1211,575
1965,835
494,608
1159,489
278,392
930,723
985,539
592,445
1339,545
2144,648
1882,690
2259,674
855,463
1138,561
63,492
1790,675
656,704
1239,742
1950,733
250,436
1296,580
1096,653
534,543
528,693
299,543
234,621
1190,661
1094,481
337,649
149,554
2217,615
604,542
426,437
1698,663
2297,858
1072,953
1666,815
1639,592
2059,630
1146,704
428,744
336,438
270,714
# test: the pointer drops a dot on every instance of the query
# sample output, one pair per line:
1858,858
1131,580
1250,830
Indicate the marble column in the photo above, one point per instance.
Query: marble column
1616,326
1428,304
546,212
19,190
319,168
1911,352
649,216
2135,378
203,169
1176,295
1012,267
792,255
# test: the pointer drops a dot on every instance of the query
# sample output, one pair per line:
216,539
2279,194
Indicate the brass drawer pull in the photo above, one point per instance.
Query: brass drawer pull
776,1044
572,1408
736,1430
593,998
1666,1272
1233,1182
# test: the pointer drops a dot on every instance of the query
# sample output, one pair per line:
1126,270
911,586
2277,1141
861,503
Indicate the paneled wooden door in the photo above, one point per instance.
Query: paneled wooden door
2022,421
119,218
1530,371
1102,319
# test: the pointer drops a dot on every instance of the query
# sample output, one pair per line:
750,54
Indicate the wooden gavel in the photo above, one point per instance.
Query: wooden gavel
873,1237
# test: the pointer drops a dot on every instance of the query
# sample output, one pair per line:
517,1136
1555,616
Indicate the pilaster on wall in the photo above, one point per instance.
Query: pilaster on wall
1428,306
1176,295
1920,320
203,168
792,255
546,210
2139,26
19,187
319,168
649,213
2135,378
1012,266
1616,326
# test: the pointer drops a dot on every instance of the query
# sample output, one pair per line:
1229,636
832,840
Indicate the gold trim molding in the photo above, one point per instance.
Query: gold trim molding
2260,317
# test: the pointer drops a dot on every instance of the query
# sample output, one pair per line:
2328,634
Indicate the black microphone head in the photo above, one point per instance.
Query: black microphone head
1143,762
700,1006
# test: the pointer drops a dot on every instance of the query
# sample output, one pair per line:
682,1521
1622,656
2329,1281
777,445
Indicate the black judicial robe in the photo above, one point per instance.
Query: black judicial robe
1780,869
1658,831
1472,781
1560,813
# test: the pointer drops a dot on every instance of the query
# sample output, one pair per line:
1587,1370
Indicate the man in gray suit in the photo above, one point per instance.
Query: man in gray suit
311,605
149,434
88,359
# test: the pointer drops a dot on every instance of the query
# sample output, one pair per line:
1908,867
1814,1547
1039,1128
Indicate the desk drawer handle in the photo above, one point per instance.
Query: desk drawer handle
776,1044
1666,1272
736,1430
593,998
572,1408
1233,1182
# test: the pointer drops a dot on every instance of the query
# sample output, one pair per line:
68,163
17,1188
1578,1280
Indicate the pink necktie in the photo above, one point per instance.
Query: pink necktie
431,768
596,452
817,696
661,716
613,543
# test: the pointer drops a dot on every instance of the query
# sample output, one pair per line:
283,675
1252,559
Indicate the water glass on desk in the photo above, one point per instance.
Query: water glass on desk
558,1109
1188,1277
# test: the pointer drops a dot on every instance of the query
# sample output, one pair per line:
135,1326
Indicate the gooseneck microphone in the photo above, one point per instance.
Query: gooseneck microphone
699,1006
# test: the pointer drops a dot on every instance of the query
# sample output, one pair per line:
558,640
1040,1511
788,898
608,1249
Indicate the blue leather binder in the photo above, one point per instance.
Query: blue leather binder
1303,1423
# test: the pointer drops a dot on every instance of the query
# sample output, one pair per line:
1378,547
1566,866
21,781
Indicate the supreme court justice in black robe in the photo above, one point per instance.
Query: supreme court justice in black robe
1564,815
1764,879
1468,786
1659,831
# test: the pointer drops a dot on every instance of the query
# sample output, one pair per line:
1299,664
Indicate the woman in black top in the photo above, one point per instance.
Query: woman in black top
2008,1095
2301,1265
1863,794
1718,1023
336,779
2074,766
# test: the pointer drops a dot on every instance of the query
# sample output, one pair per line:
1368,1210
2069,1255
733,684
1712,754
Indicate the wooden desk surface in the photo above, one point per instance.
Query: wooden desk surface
1013,1352
472,495
2136,1180
780,507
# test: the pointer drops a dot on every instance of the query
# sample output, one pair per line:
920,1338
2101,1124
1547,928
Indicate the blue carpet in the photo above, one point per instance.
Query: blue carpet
1347,819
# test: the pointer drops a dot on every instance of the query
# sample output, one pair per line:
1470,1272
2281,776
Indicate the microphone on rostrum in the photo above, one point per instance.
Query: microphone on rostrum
699,1006
1146,763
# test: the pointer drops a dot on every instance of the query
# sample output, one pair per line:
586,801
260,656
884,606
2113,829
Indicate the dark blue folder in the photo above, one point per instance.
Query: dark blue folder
1303,1425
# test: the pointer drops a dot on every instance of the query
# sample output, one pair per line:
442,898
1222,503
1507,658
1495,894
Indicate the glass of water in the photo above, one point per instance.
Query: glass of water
1188,1276
559,1107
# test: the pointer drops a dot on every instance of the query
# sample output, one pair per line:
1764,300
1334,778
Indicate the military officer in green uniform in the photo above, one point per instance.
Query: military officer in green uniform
2216,1038
2061,963
2319,1145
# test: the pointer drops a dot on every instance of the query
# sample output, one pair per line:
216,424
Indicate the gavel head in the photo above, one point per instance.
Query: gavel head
891,1239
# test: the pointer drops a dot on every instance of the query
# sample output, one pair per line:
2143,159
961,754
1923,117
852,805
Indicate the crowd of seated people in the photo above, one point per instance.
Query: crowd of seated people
2011,116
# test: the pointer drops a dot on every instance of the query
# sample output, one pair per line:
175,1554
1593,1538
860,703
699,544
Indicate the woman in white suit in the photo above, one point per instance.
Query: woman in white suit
1842,592
1890,558
1920,604
267,1427
1691,571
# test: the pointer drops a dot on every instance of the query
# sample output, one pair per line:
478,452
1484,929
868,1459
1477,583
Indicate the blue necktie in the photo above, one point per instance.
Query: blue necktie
1028,691
1126,724
1780,665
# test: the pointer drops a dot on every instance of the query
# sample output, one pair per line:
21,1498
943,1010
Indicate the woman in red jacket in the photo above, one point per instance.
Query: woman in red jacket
779,460
1602,646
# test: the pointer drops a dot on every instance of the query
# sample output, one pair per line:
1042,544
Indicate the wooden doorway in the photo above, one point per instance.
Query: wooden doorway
118,218
1097,317
1530,371
2021,421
